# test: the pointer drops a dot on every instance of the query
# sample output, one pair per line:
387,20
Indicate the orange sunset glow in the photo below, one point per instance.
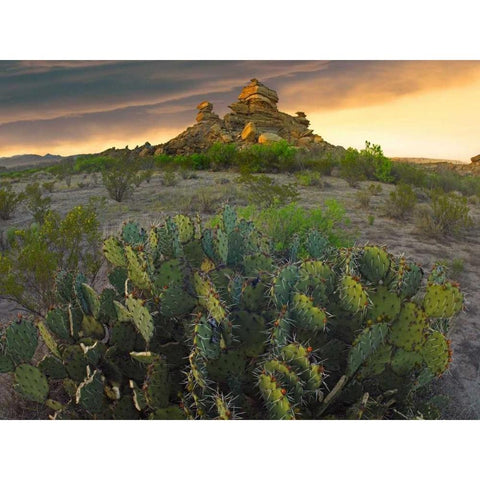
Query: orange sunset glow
411,108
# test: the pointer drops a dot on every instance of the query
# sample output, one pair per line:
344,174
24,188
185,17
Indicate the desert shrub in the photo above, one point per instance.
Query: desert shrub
169,178
121,176
9,200
351,168
48,186
263,158
363,197
308,178
371,220
284,222
400,202
456,267
64,170
206,200
375,189
28,267
37,204
262,190
222,155
92,163
325,164
368,163
408,173
186,172
448,214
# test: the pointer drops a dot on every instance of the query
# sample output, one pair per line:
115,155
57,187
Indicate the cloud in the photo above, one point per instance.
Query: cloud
75,104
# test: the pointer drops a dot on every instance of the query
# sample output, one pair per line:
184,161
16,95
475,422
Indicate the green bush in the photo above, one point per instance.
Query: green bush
267,158
448,214
369,163
283,223
222,155
9,200
263,191
400,202
351,168
308,178
30,263
37,204
122,175
409,174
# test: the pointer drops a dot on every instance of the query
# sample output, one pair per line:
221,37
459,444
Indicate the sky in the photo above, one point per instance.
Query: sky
411,108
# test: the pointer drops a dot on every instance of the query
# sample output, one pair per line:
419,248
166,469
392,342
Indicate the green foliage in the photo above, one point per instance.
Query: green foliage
448,214
121,175
9,200
282,223
222,155
400,202
70,242
37,204
264,158
308,178
369,163
243,331
262,190
371,219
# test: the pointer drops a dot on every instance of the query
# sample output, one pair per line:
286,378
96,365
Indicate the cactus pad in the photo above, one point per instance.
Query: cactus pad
21,340
31,383
90,393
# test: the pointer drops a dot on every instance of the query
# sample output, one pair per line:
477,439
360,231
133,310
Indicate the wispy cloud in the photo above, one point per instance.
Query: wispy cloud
44,105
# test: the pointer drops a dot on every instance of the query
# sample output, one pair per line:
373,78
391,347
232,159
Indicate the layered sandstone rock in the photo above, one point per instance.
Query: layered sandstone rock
475,159
254,117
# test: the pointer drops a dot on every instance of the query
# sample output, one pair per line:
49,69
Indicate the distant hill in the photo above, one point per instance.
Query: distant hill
31,160
426,160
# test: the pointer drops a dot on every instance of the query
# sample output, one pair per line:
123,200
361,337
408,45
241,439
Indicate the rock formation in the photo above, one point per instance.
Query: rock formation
475,159
255,118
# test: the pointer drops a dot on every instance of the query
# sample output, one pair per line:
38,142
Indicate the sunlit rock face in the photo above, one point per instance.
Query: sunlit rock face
254,118
475,159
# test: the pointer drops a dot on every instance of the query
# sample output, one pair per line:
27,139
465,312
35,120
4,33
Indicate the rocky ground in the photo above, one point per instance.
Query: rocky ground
152,201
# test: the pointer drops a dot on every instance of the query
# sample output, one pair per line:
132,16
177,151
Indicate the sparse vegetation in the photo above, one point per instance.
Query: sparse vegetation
363,197
308,178
37,204
29,265
262,190
9,200
400,202
448,214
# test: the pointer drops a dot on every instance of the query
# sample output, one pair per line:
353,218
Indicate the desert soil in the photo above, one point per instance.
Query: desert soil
152,201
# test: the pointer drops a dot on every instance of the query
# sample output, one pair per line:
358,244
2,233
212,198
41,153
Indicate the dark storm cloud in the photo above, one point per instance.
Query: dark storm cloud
44,104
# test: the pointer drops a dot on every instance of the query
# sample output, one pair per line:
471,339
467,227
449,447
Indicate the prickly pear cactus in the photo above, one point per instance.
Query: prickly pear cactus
208,323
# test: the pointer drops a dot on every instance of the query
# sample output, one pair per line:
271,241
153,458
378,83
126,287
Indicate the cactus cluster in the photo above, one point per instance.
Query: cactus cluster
206,323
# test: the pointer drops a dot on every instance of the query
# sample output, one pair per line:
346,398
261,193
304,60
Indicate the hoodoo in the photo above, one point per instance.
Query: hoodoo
254,118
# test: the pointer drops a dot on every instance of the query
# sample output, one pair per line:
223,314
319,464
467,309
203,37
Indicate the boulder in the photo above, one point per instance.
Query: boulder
249,132
475,159
269,137
205,106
